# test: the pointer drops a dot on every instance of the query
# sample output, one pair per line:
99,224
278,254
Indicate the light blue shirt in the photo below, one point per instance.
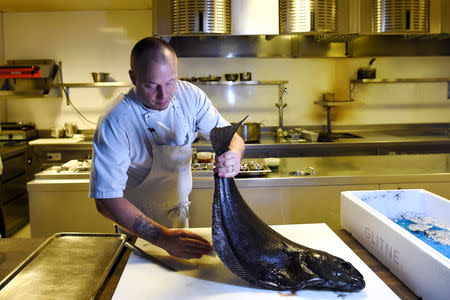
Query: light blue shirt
122,153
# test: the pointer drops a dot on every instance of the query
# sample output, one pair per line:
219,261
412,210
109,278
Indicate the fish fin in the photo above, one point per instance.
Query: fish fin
221,136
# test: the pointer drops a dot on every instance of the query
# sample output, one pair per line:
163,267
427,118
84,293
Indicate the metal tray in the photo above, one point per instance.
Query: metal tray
254,173
66,266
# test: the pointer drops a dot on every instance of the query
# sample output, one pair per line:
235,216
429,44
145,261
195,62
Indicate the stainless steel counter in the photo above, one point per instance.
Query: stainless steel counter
339,170
369,143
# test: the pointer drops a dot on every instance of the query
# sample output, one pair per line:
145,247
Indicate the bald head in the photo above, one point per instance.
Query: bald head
149,51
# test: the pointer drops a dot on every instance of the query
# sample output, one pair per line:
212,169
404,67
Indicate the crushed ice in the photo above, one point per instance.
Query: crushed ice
439,232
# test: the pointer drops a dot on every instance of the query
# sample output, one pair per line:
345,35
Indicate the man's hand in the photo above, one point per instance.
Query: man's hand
183,243
229,163
177,242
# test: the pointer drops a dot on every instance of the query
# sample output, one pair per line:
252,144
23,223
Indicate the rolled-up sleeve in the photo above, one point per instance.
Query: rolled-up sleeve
110,160
207,115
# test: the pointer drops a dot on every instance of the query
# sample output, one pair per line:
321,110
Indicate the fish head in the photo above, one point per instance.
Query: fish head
336,273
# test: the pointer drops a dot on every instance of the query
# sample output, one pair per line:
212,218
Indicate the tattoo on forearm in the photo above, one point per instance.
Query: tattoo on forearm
146,229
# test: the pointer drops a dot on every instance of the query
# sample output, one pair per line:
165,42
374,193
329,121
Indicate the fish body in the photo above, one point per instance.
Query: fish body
255,252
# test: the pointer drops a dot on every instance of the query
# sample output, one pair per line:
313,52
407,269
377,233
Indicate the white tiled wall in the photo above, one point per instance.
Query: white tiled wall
87,41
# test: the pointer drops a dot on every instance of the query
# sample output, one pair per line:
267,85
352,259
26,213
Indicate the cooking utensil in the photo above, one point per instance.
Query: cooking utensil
204,157
100,76
210,78
250,132
272,162
231,77
139,252
57,132
367,72
70,129
247,76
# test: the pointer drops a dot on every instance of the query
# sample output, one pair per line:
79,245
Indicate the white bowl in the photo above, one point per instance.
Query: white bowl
272,162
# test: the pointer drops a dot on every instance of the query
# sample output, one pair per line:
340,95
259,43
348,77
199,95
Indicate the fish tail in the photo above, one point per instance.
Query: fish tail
221,137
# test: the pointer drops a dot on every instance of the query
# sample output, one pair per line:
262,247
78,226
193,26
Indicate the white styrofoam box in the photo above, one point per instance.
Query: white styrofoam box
366,215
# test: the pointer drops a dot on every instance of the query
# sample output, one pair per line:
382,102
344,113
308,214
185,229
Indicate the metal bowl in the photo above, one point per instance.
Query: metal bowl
100,76
247,76
231,77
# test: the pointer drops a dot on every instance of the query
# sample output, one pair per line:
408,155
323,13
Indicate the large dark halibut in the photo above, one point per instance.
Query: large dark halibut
255,252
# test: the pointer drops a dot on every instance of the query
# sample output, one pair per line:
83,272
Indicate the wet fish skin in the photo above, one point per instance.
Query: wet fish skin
260,255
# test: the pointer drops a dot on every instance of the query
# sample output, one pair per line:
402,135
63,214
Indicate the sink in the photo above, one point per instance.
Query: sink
299,173
332,136
310,171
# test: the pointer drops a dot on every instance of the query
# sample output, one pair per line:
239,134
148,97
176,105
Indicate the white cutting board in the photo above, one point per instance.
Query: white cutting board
208,278
52,141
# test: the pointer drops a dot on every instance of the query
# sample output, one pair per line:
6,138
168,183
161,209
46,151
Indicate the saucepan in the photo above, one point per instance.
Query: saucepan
250,132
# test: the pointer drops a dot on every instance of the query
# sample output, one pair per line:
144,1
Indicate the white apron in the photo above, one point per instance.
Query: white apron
163,194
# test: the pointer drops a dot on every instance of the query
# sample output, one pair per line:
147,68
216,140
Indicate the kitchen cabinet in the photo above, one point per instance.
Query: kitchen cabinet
64,206
17,170
281,205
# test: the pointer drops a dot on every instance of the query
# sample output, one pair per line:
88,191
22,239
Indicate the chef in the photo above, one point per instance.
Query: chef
141,165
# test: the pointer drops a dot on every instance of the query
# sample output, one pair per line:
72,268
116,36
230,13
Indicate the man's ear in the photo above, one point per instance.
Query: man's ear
132,76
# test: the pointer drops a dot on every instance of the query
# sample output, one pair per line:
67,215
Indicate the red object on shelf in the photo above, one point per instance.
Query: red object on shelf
20,72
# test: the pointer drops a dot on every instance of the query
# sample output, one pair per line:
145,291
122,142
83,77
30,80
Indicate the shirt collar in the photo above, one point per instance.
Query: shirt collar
174,103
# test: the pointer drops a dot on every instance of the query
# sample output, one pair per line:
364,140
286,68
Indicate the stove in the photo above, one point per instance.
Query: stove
17,131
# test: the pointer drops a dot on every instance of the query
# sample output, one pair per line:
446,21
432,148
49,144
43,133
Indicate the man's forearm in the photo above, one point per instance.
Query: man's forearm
130,218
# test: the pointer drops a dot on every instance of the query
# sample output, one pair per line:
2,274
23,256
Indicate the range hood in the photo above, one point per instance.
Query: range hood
308,28
196,17
305,17
28,76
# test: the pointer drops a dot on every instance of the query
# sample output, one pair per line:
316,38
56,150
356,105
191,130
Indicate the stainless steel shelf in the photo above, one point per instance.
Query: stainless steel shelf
271,82
126,84
334,103
94,84
27,94
400,80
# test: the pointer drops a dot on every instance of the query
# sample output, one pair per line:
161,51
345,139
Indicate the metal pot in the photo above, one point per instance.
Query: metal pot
250,132
247,76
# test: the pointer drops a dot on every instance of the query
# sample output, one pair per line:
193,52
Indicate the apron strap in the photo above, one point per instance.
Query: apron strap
184,206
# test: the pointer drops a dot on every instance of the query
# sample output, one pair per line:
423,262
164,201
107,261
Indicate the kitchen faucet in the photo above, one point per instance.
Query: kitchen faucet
280,105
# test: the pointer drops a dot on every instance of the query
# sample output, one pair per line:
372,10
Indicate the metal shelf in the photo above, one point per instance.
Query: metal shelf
334,103
126,84
398,80
271,82
94,84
